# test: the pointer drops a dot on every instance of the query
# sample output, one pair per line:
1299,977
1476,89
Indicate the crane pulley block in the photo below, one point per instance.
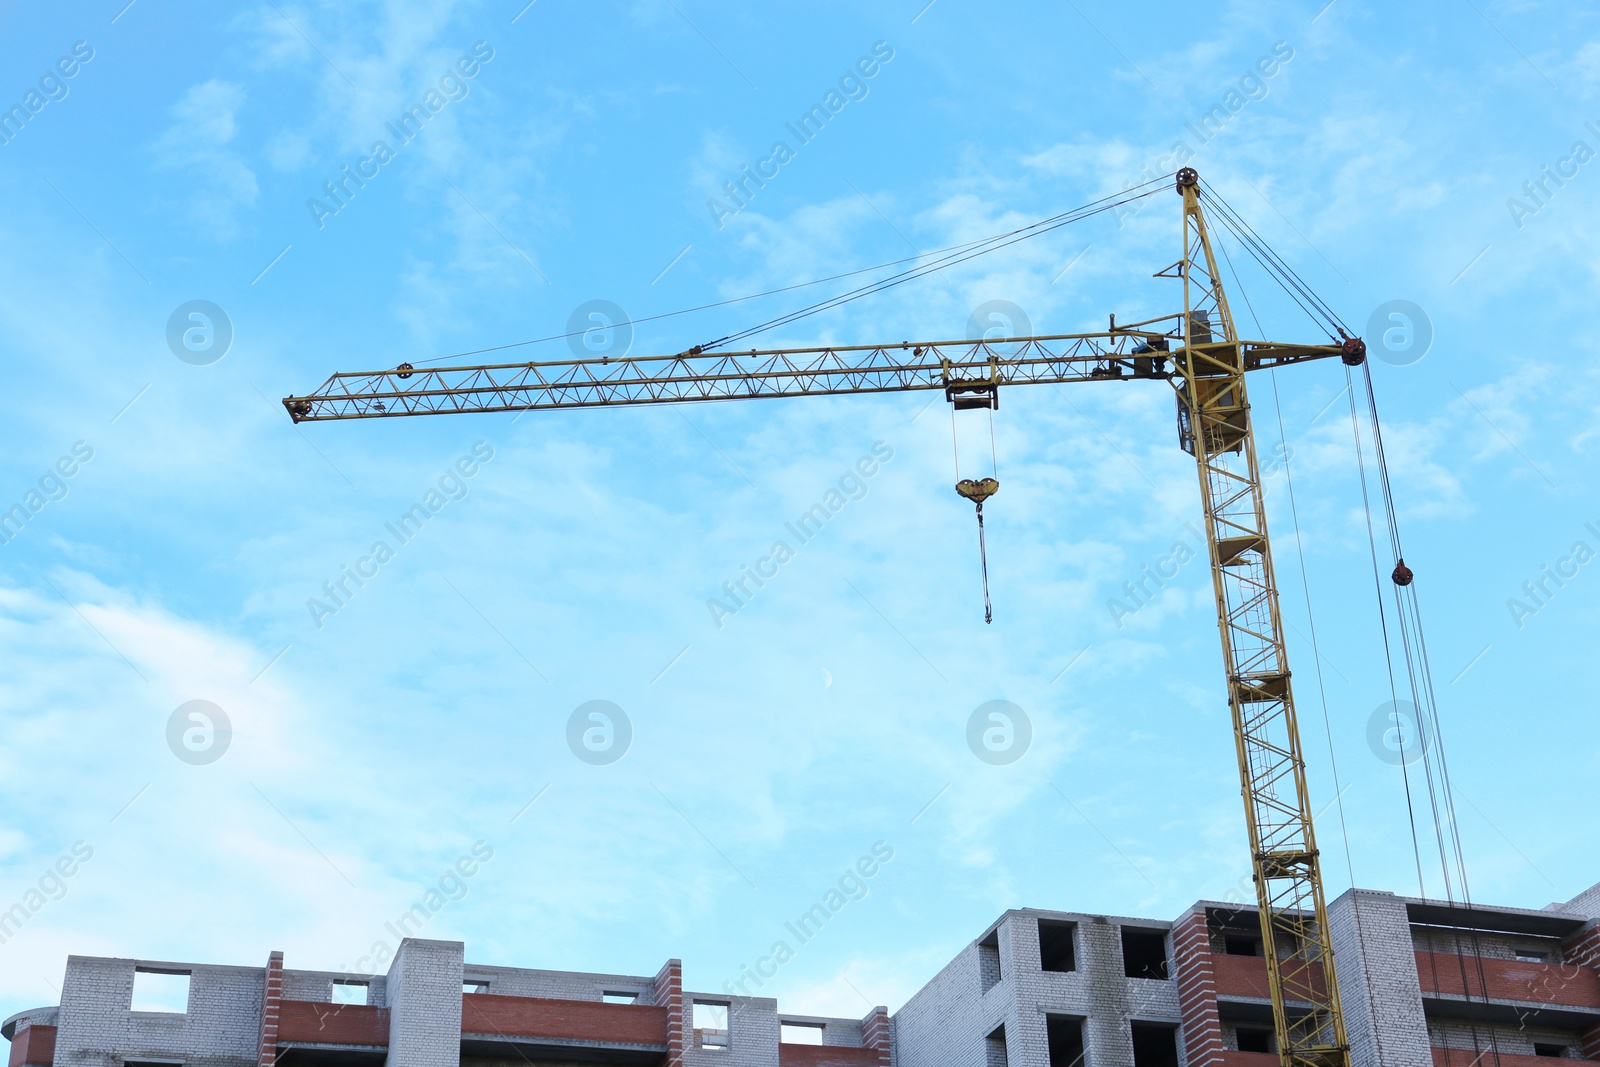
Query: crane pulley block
972,394
978,490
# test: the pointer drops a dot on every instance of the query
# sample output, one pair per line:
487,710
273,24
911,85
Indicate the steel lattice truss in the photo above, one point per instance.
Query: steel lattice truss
697,376
1288,877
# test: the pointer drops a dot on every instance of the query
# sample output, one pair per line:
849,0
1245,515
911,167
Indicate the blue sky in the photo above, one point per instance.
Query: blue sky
575,163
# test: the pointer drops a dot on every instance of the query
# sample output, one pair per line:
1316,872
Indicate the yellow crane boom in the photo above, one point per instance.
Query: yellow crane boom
964,369
1198,351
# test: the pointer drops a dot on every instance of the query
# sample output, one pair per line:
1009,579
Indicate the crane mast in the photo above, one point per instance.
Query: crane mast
1200,353
1214,421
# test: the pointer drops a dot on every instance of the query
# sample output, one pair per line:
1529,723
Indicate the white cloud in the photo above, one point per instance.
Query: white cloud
205,122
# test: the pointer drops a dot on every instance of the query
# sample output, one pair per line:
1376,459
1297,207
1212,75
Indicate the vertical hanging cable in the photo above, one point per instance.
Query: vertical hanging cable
983,559
1413,651
977,491
1316,659
1428,734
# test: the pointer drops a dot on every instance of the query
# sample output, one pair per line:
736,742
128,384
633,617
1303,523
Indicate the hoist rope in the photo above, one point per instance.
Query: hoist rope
938,259
955,445
983,562
1316,656
961,255
1275,265
978,500
1408,627
994,453
1427,732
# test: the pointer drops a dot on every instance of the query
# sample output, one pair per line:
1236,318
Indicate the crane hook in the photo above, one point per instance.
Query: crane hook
978,491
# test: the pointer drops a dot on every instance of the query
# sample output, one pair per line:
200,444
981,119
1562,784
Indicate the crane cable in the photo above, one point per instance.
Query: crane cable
1408,617
1316,655
1299,291
977,491
983,563
940,258
960,255
1427,730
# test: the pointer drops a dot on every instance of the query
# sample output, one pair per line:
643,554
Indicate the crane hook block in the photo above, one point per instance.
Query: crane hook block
978,491
1403,574
1354,351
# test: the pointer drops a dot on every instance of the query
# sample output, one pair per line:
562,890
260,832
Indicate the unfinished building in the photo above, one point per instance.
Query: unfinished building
1424,984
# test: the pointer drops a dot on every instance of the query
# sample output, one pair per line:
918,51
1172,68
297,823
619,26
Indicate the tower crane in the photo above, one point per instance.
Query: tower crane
1200,353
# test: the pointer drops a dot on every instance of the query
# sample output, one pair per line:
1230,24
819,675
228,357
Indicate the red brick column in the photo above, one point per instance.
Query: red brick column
875,1033
1584,951
669,995
33,1046
1197,991
271,999
1589,1043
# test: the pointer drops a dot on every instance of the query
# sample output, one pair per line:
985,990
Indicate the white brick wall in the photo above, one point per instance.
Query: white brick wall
752,1032
318,986
561,985
424,992
222,1027
946,1022
1378,984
